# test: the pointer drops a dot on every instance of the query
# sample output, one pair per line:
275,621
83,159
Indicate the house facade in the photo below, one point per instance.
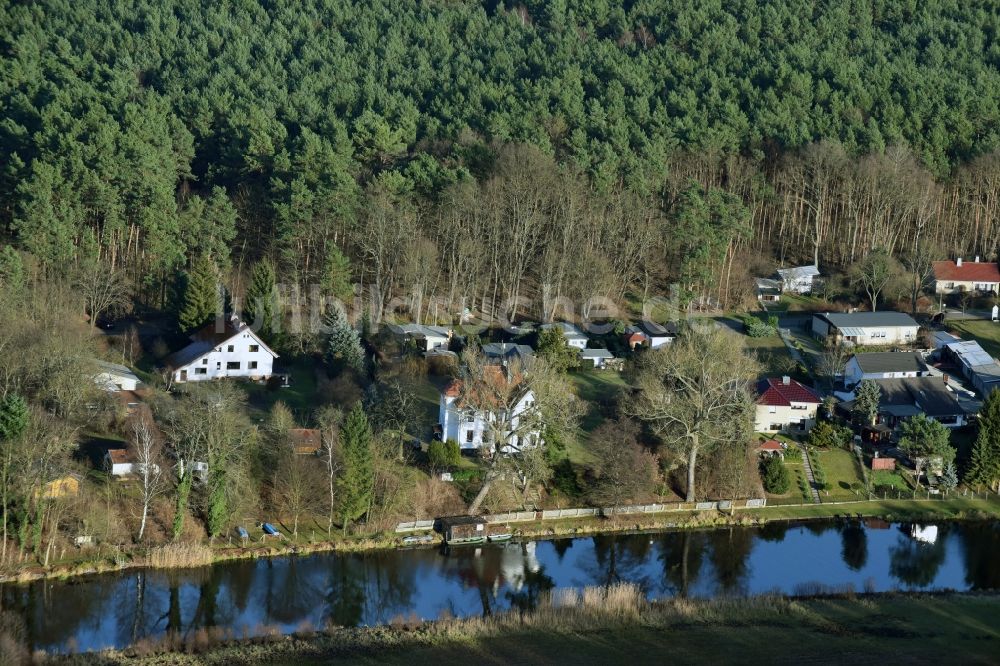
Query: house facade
471,427
428,338
595,358
785,405
222,350
866,328
798,279
114,377
650,334
883,365
571,333
955,277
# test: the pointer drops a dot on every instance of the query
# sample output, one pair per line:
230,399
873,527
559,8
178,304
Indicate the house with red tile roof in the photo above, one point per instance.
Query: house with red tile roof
785,405
953,277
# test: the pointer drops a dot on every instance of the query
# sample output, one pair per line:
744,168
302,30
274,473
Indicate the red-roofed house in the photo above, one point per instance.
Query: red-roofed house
953,277
305,441
784,404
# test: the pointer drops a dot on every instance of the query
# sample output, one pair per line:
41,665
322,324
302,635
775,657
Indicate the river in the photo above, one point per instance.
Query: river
291,593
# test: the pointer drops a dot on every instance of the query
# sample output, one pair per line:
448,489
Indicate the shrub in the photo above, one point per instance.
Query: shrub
443,455
755,328
774,475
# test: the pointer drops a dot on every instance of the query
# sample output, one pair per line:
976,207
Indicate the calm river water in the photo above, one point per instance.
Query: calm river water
114,610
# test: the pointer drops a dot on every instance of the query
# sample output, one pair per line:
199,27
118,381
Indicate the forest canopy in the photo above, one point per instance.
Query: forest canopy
140,134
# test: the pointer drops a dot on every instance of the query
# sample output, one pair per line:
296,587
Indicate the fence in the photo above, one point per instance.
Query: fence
512,517
415,526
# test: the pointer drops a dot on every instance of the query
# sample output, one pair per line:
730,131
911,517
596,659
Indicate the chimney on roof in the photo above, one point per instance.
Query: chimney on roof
786,380
958,262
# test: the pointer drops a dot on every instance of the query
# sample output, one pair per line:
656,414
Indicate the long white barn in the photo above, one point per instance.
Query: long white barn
221,350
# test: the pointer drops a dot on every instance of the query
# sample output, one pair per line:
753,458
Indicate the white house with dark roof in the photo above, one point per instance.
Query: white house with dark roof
595,357
883,365
866,328
574,336
221,350
650,334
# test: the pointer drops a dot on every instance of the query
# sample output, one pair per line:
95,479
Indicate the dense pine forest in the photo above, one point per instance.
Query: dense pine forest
478,150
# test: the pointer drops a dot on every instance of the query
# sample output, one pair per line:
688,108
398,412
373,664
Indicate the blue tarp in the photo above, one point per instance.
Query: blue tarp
269,529
243,533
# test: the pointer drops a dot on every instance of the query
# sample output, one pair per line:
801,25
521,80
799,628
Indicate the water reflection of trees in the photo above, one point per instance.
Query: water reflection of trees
980,546
681,556
620,559
729,552
916,563
854,545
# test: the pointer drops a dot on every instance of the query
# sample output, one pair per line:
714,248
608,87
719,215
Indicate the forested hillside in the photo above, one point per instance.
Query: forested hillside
479,149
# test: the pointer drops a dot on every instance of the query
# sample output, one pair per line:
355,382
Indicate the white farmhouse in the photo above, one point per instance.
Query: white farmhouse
113,377
223,349
866,328
574,336
471,427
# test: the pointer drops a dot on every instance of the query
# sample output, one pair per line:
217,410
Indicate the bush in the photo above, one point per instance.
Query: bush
755,328
443,455
774,474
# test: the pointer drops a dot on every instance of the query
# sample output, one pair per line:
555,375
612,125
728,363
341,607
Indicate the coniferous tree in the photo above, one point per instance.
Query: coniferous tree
357,479
201,295
337,275
260,303
984,464
343,345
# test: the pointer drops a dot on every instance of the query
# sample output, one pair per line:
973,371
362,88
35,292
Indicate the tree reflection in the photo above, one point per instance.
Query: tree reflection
854,545
916,563
345,595
730,549
681,555
980,546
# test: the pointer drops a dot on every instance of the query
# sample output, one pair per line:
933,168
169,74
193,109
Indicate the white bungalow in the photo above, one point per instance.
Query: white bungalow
119,462
596,357
798,279
428,338
113,377
223,349
574,336
470,427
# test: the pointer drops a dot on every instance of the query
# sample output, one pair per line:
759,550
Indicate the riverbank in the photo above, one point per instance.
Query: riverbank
619,626
957,508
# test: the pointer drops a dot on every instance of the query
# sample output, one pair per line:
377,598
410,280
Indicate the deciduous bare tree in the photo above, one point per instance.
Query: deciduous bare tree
692,392
147,446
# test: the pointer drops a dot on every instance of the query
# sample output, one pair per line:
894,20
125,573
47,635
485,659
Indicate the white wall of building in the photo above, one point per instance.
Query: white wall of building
470,428
241,356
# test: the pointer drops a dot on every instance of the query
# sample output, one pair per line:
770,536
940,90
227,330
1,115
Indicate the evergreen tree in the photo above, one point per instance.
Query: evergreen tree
553,348
984,464
343,345
357,478
866,400
774,475
201,295
11,271
259,305
924,439
337,275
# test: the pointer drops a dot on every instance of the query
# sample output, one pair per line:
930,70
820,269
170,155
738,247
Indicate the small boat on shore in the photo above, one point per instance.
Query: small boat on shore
418,540
497,538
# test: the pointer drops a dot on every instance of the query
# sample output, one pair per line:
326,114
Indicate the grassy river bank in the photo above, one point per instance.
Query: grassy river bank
618,625
86,562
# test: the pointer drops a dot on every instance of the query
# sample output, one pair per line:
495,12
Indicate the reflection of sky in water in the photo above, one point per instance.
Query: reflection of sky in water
373,588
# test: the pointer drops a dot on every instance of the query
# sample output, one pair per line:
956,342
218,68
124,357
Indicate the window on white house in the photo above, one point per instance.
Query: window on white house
233,365
218,365
231,348
252,365
772,410
204,361
201,371
468,435
255,348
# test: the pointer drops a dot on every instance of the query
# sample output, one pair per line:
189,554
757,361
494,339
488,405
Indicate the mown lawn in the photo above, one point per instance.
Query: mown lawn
842,473
300,396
